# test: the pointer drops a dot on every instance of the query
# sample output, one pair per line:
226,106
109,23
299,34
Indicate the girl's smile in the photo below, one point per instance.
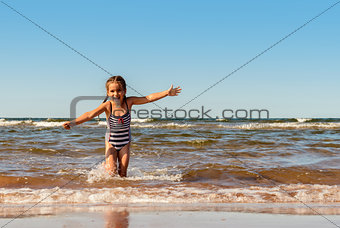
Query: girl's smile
116,92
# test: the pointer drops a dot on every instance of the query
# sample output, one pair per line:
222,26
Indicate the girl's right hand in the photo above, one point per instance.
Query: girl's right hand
67,125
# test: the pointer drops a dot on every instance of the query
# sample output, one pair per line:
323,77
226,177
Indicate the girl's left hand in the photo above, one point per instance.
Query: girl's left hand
67,125
174,91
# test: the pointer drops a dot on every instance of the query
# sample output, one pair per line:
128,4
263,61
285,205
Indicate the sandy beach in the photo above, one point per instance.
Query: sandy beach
124,216
125,219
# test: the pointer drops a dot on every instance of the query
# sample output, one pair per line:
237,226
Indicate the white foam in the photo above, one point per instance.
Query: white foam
10,123
175,194
141,120
303,123
48,124
98,174
4,122
302,120
102,123
158,174
162,125
222,120
300,125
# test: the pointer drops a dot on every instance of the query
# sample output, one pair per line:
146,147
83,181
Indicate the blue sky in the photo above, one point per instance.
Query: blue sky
156,43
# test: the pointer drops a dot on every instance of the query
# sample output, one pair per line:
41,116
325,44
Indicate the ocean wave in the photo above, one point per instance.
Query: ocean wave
293,193
45,124
98,174
293,123
142,120
56,120
48,124
238,175
171,125
297,125
138,123
302,120
16,122
199,142
102,123
223,120
30,123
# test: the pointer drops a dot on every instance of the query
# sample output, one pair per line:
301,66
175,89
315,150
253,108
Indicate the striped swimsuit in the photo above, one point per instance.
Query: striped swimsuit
118,129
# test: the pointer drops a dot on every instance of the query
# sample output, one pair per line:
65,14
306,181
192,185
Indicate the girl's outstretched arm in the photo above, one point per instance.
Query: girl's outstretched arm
86,116
155,96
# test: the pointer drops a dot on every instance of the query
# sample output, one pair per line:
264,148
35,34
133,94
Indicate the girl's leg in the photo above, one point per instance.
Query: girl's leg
123,158
110,159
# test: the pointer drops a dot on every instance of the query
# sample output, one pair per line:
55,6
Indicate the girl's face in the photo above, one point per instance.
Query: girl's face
116,91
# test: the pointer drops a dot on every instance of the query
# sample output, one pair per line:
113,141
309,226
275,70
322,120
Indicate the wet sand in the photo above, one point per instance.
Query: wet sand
159,216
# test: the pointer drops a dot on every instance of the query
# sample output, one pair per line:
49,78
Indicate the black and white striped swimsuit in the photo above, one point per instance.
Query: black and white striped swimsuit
118,129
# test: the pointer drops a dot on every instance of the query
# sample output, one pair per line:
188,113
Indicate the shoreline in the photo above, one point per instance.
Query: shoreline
12,210
163,215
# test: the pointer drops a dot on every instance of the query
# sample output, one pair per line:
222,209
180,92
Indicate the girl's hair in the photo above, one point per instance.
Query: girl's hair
118,79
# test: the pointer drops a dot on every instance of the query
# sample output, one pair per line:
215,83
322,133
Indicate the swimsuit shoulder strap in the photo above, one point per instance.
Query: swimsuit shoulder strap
110,108
127,107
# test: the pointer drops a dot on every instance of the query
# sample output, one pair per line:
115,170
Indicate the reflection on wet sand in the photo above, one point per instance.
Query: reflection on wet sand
116,219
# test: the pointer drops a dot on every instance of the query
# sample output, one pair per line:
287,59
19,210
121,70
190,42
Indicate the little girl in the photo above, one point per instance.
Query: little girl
118,137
